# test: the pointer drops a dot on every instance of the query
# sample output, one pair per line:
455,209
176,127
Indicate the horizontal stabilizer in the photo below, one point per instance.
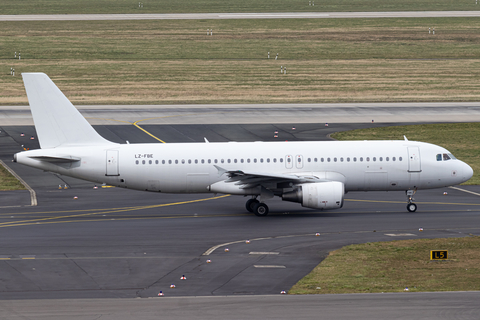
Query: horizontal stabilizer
57,121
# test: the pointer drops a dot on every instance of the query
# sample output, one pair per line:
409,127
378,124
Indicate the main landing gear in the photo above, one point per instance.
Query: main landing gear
255,206
411,207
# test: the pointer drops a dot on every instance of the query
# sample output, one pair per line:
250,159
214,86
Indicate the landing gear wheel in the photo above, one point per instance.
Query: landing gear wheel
260,209
411,207
250,205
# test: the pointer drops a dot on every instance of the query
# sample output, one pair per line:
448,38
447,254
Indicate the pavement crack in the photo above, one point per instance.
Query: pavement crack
86,273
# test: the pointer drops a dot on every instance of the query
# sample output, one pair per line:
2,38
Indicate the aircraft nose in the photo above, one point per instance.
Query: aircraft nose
467,171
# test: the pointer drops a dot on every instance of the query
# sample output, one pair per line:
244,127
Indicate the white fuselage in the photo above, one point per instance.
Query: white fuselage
191,167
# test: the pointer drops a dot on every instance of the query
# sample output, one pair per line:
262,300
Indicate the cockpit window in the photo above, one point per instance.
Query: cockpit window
445,157
452,156
439,157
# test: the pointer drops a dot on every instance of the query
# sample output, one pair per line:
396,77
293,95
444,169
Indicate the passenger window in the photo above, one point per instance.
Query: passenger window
299,160
149,161
316,160
235,160
216,161
322,160
361,159
309,160
209,161
222,161
203,161
281,160
289,160
328,159
196,161
241,160
341,159
380,159
348,159
268,160
387,159
275,160
248,160
439,157
189,161
137,162
335,159
229,161
393,158
261,160
255,160
400,158
368,159
183,161
169,161
163,161
374,159
143,161
354,159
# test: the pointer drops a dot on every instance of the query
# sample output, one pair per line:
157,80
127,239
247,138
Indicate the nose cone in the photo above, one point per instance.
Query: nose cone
467,172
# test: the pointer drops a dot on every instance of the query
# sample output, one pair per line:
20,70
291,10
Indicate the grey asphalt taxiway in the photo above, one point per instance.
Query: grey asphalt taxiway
117,243
262,15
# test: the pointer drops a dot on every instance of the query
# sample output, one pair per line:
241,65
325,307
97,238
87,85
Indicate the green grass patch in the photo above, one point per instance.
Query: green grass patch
461,139
9,182
189,6
392,266
328,60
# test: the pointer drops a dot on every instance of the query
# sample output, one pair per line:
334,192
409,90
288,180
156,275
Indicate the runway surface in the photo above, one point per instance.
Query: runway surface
117,243
266,15
263,113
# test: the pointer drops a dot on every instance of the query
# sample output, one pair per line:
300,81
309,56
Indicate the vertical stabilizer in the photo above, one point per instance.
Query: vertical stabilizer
57,121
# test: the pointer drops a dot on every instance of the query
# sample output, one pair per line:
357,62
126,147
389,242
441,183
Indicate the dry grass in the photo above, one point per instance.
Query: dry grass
181,6
163,62
392,266
9,182
233,81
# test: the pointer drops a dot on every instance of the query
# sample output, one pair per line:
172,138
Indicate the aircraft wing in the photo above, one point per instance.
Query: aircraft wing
252,179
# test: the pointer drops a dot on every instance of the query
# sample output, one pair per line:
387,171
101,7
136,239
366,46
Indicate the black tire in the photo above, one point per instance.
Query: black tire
250,205
411,207
260,210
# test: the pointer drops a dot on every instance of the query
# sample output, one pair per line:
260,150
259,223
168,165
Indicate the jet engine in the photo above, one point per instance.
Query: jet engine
320,195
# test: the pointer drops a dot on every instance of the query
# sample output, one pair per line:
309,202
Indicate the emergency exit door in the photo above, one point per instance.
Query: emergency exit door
414,162
112,163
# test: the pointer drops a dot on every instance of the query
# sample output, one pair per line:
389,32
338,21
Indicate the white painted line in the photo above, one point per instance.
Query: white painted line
400,234
268,266
33,195
262,253
467,191
212,249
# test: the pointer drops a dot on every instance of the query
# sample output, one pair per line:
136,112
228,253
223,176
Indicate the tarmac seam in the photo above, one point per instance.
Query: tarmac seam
33,195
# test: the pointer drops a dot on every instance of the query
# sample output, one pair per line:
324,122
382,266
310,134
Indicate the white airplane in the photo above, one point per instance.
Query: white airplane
315,174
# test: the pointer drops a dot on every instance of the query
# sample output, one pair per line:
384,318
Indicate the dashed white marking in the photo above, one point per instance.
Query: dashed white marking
400,234
268,266
261,253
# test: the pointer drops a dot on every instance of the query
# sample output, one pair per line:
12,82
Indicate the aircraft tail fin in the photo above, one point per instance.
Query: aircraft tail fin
57,121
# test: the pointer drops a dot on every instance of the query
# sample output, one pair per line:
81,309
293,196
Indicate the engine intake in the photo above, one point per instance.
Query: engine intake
321,195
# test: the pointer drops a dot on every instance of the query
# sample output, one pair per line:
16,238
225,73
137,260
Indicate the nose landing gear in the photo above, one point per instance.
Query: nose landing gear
411,207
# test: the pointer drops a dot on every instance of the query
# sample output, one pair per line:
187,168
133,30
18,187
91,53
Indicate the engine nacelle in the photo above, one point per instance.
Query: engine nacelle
320,195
